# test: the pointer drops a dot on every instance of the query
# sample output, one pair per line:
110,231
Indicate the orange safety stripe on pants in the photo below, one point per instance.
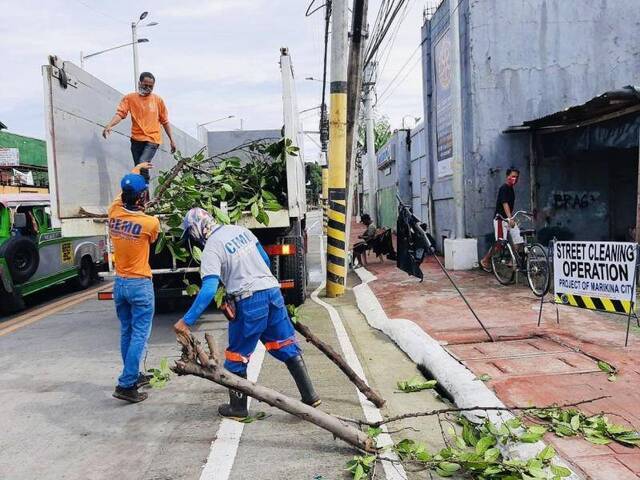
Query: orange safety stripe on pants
235,357
278,344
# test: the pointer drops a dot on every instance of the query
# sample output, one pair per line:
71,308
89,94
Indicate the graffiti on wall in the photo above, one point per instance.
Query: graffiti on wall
576,200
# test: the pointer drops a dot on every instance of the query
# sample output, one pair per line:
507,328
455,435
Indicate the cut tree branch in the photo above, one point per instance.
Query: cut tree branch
373,396
441,411
195,361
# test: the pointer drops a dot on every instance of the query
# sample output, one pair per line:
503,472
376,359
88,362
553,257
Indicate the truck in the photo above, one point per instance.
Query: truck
85,171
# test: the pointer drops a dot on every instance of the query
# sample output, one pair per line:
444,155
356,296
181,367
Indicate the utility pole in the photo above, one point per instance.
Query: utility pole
371,167
134,39
354,89
336,233
456,121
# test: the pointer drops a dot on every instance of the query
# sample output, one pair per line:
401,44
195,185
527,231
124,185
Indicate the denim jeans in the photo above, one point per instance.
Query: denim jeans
261,317
143,152
134,300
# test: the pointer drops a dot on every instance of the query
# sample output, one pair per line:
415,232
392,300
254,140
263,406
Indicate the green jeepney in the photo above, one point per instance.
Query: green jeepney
35,256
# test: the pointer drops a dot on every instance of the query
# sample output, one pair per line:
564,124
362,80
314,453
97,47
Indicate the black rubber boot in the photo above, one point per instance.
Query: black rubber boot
237,406
298,371
143,380
130,394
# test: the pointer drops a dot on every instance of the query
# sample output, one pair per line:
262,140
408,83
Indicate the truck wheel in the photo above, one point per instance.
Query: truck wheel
10,302
86,273
23,259
294,267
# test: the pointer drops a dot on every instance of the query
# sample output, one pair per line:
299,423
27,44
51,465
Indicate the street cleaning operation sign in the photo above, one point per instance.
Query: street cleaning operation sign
595,275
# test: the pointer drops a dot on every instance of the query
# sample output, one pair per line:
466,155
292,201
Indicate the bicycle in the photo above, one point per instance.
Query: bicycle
506,263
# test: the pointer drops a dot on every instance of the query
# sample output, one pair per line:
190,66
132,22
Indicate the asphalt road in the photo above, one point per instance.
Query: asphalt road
59,421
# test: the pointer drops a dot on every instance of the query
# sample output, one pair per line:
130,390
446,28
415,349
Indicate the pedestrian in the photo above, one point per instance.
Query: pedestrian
232,255
148,112
360,248
504,225
132,232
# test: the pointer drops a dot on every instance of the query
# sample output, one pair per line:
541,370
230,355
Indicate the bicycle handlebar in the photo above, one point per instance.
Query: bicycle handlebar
519,212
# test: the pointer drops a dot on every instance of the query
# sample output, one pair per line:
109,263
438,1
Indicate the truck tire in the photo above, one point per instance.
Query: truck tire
10,302
22,256
86,273
294,267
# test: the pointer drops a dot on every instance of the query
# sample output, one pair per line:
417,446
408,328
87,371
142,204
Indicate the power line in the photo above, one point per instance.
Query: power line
383,100
401,69
388,48
372,51
99,12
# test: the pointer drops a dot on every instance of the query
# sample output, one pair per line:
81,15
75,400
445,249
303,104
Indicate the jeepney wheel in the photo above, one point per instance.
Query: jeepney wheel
86,273
22,256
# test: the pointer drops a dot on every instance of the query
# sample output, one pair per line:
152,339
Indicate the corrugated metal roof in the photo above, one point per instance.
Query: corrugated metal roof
615,101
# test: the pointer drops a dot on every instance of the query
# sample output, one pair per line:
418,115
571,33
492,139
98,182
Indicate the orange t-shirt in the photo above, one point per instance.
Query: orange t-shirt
147,114
132,234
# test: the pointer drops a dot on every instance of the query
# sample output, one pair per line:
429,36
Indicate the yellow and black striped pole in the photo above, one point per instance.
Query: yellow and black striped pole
337,242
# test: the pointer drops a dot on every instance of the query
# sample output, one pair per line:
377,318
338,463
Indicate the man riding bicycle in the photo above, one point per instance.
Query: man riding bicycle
503,223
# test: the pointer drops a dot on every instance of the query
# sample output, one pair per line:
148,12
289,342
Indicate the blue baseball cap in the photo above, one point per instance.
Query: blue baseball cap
133,182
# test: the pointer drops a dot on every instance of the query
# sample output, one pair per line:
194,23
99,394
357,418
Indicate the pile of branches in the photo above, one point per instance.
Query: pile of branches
252,187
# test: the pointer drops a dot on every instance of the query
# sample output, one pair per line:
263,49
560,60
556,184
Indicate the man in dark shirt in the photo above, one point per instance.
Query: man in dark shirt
503,224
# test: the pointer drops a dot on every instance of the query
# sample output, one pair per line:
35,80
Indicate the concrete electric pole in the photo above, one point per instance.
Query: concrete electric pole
354,90
370,166
336,232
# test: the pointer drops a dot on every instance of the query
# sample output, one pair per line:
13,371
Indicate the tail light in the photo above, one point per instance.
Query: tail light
284,249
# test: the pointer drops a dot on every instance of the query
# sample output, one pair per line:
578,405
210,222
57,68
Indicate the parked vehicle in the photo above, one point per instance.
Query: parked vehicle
84,171
34,255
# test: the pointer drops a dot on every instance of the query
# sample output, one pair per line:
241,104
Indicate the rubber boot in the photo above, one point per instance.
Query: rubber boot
298,371
237,406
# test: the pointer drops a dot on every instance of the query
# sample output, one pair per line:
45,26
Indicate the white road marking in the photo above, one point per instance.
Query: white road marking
393,471
225,445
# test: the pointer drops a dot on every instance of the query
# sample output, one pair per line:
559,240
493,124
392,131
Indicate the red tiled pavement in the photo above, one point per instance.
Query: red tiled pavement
554,363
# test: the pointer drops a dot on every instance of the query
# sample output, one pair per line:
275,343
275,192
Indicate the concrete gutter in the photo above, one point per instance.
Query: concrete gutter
452,375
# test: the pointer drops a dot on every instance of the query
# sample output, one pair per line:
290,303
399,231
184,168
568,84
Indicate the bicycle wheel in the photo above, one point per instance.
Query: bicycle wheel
538,273
503,262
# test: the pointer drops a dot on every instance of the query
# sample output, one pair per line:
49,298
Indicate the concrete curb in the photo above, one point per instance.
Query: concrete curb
450,373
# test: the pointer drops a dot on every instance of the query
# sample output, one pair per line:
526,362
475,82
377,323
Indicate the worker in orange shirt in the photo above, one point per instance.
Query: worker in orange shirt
132,232
148,112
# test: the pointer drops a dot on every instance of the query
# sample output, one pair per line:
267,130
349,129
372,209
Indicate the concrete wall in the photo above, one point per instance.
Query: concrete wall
394,176
224,141
521,60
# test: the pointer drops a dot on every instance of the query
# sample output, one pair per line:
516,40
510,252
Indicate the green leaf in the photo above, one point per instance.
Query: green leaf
255,211
560,471
491,455
529,437
598,440
416,384
161,243
484,444
227,187
485,377
575,422
196,253
192,290
605,367
221,216
219,298
359,472
513,423
263,218
449,467
374,432
547,453
612,378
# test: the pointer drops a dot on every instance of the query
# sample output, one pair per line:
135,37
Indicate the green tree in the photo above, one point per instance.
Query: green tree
381,133
314,182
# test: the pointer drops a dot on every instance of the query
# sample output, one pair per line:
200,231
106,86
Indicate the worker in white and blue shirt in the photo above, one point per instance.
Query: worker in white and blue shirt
233,255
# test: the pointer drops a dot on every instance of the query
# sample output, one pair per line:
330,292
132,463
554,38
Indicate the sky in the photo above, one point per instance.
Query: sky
211,58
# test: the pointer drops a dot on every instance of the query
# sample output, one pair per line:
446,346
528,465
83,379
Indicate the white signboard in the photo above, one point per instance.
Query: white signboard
595,275
9,157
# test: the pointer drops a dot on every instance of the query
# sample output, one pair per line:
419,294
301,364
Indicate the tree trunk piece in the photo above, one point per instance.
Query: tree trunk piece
373,396
195,361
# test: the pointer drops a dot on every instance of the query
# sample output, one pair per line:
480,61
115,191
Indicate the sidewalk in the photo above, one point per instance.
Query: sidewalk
554,363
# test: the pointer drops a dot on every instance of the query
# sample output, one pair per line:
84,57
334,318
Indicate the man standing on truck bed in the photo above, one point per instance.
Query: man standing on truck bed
132,232
233,255
148,112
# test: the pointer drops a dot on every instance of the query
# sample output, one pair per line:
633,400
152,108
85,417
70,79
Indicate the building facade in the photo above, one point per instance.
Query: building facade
518,61
394,177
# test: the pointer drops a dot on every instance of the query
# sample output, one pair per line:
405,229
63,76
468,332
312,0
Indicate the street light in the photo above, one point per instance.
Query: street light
84,57
199,125
134,42
415,120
